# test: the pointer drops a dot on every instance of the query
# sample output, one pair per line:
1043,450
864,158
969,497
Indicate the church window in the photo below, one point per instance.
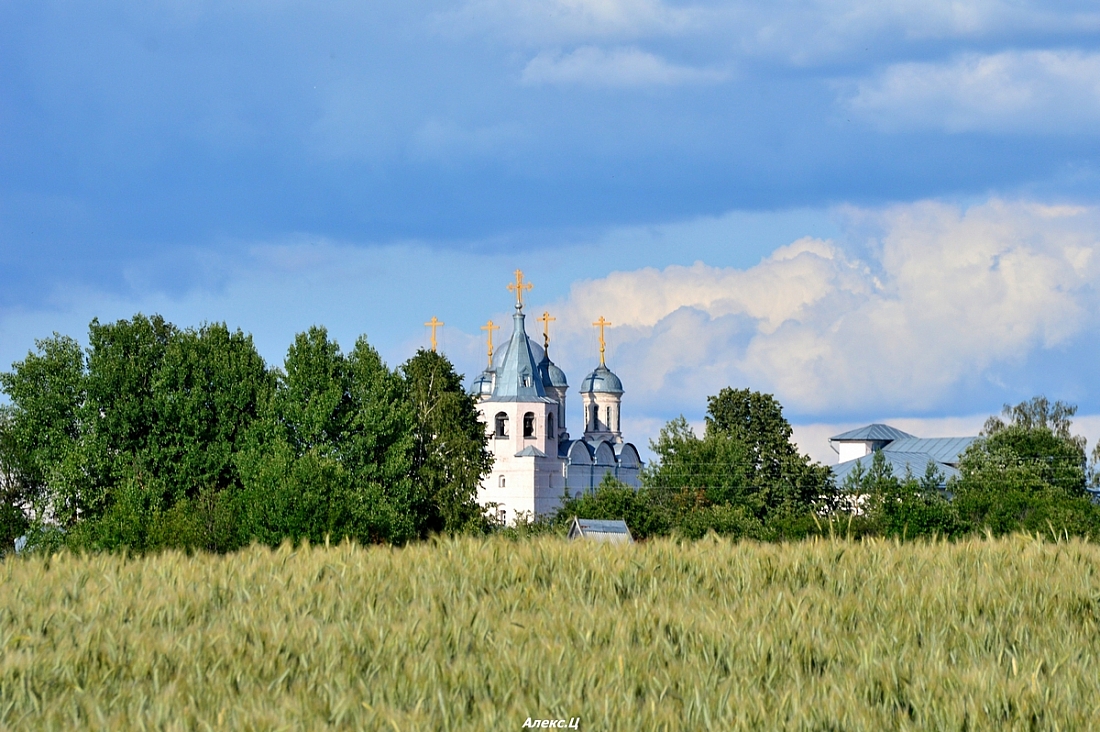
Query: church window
550,426
501,425
594,418
501,482
609,418
529,424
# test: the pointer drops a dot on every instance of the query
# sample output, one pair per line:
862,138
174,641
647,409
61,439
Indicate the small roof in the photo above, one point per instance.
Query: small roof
612,531
871,433
530,451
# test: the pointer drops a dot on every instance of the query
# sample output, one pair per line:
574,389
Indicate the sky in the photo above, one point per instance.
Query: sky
878,212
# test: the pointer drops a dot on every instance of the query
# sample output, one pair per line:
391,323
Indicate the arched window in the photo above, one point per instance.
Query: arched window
550,434
609,418
529,424
501,425
618,416
595,418
502,481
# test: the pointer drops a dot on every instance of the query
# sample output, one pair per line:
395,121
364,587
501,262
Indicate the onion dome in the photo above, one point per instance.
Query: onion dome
551,375
483,384
601,381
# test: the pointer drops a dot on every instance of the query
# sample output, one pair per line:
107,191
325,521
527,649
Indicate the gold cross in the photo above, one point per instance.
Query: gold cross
433,324
601,324
519,287
490,327
545,320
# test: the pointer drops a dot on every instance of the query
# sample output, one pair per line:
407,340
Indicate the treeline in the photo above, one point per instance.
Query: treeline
744,478
157,436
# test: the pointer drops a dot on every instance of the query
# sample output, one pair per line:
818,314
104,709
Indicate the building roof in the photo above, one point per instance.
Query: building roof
899,462
614,531
530,451
601,380
871,433
942,449
517,376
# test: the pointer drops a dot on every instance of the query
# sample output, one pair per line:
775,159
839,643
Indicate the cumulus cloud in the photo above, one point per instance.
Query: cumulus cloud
944,295
620,67
1033,91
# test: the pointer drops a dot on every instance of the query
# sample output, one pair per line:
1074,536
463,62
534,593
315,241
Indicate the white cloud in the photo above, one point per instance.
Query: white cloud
619,67
1033,91
946,295
796,30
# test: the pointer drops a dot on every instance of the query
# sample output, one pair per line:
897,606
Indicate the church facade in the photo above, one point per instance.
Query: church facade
521,398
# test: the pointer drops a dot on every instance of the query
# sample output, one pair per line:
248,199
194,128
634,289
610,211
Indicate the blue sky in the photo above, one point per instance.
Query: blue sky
877,211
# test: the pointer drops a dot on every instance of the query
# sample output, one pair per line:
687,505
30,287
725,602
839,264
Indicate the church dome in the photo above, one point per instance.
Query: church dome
602,380
483,384
551,374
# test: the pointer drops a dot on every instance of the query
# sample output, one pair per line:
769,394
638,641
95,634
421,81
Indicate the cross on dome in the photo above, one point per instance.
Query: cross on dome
518,287
490,326
601,324
546,320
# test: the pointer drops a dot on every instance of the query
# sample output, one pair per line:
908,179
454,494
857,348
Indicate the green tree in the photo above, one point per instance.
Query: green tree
776,471
15,491
450,454
48,391
333,458
1027,472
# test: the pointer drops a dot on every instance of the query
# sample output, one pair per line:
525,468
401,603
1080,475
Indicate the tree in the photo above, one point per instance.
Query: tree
450,454
776,470
333,457
1027,471
15,491
48,391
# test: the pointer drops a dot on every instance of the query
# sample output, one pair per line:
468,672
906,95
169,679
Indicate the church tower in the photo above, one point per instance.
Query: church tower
522,422
601,397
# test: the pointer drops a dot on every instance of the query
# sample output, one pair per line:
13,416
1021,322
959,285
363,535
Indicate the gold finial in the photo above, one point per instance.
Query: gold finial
518,287
601,324
433,324
490,327
546,320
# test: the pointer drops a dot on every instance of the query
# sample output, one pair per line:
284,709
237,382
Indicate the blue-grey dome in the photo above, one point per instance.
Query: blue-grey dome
483,384
602,380
551,374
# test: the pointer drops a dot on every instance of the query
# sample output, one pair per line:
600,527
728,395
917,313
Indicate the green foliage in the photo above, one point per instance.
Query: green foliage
777,473
904,507
471,634
167,437
450,455
613,499
743,478
1027,472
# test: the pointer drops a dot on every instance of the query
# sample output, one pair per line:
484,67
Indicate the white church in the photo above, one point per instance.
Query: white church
521,399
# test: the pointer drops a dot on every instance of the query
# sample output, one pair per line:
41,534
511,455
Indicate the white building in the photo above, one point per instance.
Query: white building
521,399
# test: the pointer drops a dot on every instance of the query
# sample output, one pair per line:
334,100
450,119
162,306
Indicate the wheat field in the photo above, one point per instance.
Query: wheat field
490,633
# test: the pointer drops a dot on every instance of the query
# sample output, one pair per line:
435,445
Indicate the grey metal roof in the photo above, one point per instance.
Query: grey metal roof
483,384
601,380
517,376
942,449
916,462
871,433
614,531
530,451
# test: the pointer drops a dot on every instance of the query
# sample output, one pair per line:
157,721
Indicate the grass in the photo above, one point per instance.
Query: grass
482,634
